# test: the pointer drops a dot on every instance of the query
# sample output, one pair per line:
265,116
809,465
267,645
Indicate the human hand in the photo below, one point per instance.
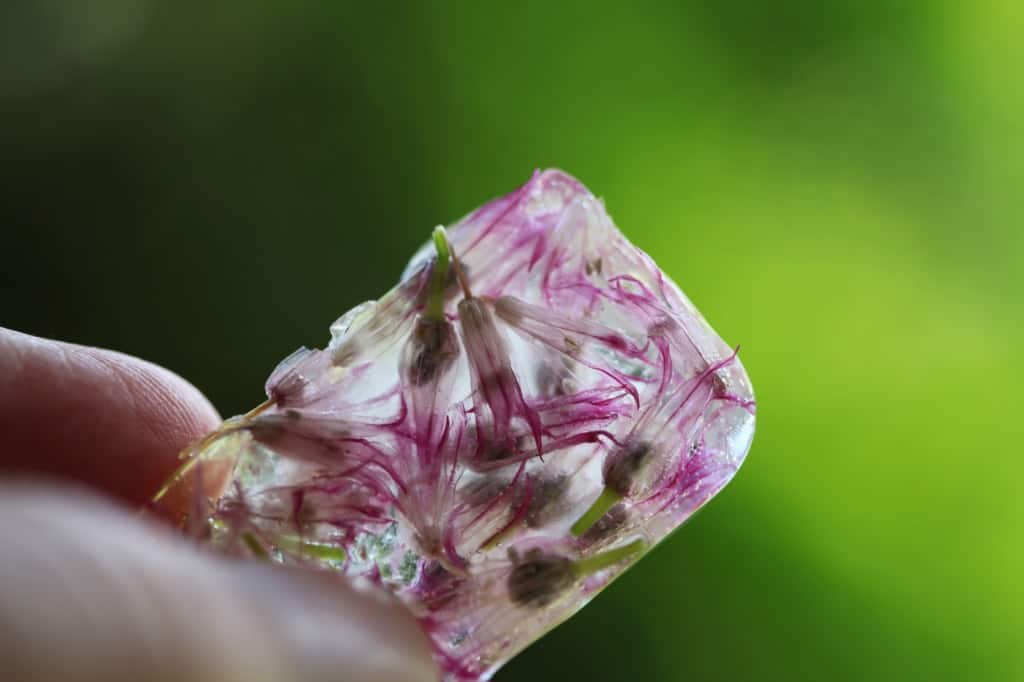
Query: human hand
90,591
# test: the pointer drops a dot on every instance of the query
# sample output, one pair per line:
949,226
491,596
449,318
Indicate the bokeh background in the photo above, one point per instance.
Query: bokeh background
837,185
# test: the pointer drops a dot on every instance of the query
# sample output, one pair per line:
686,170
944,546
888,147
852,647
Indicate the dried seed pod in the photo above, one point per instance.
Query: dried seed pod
539,580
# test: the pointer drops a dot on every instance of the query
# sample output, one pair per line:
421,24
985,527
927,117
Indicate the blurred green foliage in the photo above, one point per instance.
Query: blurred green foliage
837,185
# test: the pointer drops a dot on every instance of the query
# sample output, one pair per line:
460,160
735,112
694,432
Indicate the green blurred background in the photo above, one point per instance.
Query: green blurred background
836,185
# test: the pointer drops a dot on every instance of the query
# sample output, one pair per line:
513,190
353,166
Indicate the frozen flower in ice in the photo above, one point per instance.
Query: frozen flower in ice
532,407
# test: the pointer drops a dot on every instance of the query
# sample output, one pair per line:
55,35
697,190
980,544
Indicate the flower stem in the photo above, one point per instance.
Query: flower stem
254,546
312,550
609,558
435,302
605,501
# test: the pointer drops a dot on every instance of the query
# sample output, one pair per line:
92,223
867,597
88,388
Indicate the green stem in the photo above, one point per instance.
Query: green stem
313,550
609,558
254,545
435,302
601,505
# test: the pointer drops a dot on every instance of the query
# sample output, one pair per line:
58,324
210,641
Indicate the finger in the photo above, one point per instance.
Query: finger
89,593
94,416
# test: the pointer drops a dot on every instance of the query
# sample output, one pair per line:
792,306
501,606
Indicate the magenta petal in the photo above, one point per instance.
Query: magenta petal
497,396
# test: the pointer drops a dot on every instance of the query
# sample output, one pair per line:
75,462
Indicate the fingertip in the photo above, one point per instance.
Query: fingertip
106,419
174,410
326,624
95,594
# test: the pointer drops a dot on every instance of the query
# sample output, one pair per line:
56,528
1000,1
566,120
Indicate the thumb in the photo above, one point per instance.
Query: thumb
89,592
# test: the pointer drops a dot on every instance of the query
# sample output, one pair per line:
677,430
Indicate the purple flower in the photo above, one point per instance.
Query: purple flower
532,407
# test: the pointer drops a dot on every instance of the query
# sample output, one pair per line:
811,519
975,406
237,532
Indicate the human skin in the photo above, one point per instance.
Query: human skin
92,590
